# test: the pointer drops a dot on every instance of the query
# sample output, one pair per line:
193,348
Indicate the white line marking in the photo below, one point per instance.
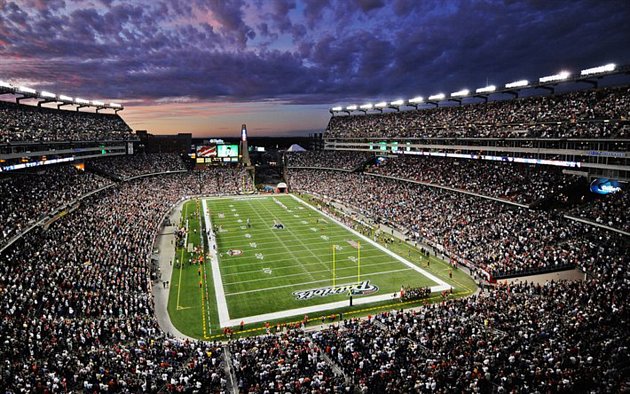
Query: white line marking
222,308
316,281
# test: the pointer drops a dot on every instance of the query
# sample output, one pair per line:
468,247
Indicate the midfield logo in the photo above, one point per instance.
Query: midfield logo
363,288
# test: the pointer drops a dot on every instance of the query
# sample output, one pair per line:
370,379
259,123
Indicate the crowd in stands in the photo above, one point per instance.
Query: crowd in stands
500,239
590,113
612,210
516,182
286,362
408,293
225,180
128,166
556,337
327,159
27,197
78,314
29,123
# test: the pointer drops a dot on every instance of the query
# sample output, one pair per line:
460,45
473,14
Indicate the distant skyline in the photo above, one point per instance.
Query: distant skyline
206,67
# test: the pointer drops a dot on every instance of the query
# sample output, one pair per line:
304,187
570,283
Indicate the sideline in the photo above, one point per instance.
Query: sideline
339,304
166,256
219,292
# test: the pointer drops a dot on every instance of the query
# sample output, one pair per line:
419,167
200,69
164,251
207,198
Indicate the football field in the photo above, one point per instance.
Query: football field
274,257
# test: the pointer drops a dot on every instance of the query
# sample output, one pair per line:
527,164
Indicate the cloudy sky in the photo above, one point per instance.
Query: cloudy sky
206,66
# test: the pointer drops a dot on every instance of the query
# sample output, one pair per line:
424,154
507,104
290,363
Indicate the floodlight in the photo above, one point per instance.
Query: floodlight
439,96
65,98
556,77
24,89
487,89
98,103
397,102
47,94
351,107
332,109
517,84
600,69
81,101
5,84
460,93
382,104
366,106
416,100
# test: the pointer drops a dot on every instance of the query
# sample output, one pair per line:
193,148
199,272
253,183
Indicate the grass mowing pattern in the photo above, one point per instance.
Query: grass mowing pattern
275,263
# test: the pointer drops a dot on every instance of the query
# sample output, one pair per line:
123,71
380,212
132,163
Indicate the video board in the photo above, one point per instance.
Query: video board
227,150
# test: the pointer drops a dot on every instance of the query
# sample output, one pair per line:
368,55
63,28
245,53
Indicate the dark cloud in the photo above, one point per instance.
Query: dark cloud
311,51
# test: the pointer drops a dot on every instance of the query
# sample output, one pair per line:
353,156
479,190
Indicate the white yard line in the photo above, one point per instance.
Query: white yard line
315,281
267,278
222,308
224,319
378,246
283,244
319,308
280,267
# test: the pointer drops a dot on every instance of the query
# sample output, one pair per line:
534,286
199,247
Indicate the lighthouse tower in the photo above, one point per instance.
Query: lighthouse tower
244,152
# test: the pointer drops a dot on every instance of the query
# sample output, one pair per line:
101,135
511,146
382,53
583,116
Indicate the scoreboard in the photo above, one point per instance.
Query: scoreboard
217,153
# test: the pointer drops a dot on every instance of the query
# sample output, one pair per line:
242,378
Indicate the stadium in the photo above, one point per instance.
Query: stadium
472,241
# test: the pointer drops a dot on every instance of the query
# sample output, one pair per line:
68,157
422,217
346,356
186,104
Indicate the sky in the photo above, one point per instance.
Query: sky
207,66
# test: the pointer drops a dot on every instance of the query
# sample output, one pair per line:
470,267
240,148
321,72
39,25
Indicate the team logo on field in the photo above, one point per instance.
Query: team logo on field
363,288
234,252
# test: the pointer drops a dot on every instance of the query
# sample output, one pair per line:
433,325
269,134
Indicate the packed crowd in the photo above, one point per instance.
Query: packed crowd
500,239
286,362
515,182
523,338
78,314
20,122
27,197
612,210
599,113
227,180
408,293
124,167
327,159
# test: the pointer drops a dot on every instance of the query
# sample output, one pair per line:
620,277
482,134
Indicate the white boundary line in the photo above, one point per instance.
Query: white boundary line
225,321
380,247
222,308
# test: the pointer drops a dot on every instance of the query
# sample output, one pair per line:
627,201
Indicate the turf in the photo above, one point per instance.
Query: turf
271,264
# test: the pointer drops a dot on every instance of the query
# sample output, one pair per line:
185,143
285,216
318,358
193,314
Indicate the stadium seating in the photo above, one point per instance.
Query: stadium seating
327,159
78,315
584,114
502,240
80,293
28,197
611,210
125,167
27,123
515,182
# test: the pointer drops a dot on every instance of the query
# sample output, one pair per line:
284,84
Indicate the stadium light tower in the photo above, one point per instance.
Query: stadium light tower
380,106
335,109
396,104
414,102
436,98
65,100
514,87
597,73
457,96
46,97
484,92
366,107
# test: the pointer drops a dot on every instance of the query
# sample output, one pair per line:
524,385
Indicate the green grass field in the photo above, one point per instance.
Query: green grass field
263,268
